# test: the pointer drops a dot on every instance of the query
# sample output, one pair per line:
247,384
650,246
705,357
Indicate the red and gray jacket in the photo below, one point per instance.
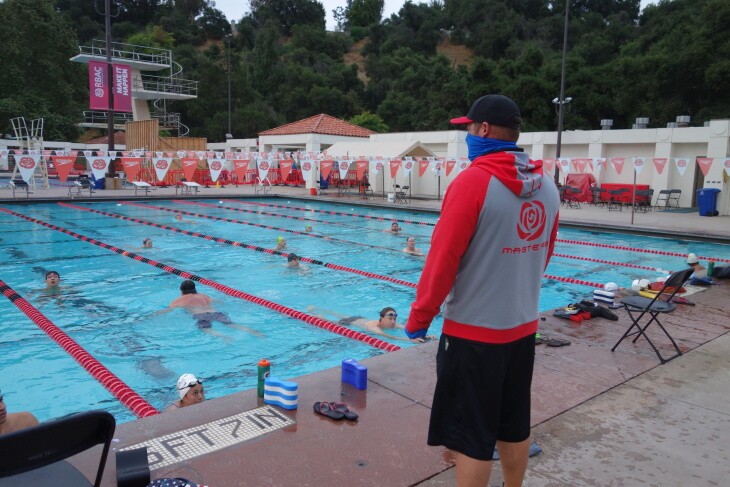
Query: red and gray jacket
489,250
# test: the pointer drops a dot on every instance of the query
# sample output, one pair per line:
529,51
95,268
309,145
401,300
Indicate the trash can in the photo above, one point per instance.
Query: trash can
98,183
707,201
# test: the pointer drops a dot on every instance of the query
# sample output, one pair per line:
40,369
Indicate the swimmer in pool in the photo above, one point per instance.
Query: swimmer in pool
190,390
11,422
200,306
387,321
280,243
293,262
53,283
410,247
394,228
179,218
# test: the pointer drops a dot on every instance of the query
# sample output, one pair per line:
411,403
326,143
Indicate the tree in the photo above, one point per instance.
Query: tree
37,79
364,13
370,121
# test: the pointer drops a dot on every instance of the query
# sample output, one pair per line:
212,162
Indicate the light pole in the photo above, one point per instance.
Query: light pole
229,134
561,101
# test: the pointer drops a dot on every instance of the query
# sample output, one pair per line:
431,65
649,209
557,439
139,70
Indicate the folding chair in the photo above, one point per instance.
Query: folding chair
20,185
79,185
597,200
401,194
569,196
367,190
668,198
643,199
34,456
614,201
638,307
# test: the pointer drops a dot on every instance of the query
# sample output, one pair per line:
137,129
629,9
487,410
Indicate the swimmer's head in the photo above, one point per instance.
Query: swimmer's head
188,287
147,243
292,257
53,278
387,317
394,226
178,217
307,228
279,240
190,390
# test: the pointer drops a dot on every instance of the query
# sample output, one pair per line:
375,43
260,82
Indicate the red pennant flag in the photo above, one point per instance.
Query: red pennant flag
189,165
659,163
705,164
394,166
285,166
549,164
131,167
361,165
240,166
422,166
63,165
618,164
450,166
325,167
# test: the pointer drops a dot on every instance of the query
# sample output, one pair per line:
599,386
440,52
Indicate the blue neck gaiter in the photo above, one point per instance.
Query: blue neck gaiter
481,145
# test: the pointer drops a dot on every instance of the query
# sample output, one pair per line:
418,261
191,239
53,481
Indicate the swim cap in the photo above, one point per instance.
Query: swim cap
279,239
185,383
610,286
291,257
692,259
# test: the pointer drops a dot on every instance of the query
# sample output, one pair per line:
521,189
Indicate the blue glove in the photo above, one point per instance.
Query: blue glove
416,334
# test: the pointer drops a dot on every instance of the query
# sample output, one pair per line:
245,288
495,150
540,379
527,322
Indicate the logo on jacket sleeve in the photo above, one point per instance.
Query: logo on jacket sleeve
532,221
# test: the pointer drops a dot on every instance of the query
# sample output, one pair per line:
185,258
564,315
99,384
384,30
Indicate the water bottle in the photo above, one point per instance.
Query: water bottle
264,370
710,268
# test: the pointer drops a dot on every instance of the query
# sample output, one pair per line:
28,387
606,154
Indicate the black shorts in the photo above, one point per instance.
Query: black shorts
482,395
349,320
205,320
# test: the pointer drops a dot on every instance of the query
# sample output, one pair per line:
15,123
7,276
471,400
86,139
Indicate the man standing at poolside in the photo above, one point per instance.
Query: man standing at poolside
488,253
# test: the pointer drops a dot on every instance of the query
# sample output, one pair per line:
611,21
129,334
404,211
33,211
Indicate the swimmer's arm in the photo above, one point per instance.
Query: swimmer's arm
393,337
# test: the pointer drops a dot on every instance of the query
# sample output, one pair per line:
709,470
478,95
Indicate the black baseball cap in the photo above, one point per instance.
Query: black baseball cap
495,109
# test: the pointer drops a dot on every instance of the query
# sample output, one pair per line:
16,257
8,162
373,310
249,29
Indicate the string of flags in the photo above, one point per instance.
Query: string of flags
240,162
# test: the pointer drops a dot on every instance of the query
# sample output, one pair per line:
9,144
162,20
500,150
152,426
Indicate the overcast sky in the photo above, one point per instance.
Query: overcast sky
235,9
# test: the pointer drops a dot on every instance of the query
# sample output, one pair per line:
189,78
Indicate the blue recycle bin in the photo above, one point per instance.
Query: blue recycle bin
707,201
98,183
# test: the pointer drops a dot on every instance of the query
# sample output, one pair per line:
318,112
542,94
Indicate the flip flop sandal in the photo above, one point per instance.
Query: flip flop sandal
325,409
557,342
343,408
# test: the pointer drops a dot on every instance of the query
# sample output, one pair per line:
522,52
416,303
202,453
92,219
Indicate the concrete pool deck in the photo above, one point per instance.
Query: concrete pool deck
602,418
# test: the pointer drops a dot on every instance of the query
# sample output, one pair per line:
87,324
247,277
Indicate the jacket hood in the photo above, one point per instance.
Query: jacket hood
514,169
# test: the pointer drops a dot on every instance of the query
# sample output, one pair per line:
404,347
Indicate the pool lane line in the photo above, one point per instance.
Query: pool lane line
312,320
260,225
130,399
340,213
569,280
609,262
241,244
632,249
576,242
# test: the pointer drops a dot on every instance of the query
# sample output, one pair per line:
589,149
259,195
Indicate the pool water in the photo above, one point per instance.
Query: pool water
109,302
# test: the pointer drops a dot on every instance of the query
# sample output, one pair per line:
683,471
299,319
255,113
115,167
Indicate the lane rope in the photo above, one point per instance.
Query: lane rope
609,262
312,320
130,399
259,225
240,244
632,249
340,213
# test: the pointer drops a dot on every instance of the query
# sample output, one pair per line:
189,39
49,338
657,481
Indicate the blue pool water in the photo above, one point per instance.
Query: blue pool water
109,303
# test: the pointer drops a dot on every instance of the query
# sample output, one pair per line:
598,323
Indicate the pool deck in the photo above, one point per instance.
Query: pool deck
602,418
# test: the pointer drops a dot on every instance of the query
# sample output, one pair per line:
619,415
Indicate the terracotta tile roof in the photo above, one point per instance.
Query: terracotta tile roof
120,138
320,124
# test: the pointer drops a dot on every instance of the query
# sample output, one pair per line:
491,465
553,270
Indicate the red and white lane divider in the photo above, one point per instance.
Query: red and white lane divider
609,262
259,225
240,244
340,213
633,249
111,382
312,320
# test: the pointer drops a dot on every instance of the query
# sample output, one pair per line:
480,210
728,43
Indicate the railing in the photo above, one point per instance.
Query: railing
129,52
99,117
165,84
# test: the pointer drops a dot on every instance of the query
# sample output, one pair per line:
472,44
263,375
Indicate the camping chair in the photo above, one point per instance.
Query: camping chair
643,199
614,199
34,456
569,196
19,185
401,194
638,307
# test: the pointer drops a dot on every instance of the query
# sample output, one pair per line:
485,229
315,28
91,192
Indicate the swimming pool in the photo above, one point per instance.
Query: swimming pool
110,301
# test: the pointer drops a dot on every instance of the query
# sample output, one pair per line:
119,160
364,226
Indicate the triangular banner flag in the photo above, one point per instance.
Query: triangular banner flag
599,162
361,165
377,166
682,165
189,165
408,165
285,166
215,166
463,164
564,165
422,166
726,165
325,167
99,165
581,164
161,165
343,165
263,166
131,167
450,166
27,165
394,166
307,166
659,163
618,164
240,166
705,164
548,165
63,165
638,164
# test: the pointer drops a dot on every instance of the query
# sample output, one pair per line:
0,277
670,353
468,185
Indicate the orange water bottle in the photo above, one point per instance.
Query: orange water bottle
264,369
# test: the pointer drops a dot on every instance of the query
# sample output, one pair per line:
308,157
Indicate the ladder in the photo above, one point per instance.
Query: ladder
31,140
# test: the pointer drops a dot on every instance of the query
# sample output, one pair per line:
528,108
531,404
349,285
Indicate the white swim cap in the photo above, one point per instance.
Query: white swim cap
185,383
692,259
610,286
